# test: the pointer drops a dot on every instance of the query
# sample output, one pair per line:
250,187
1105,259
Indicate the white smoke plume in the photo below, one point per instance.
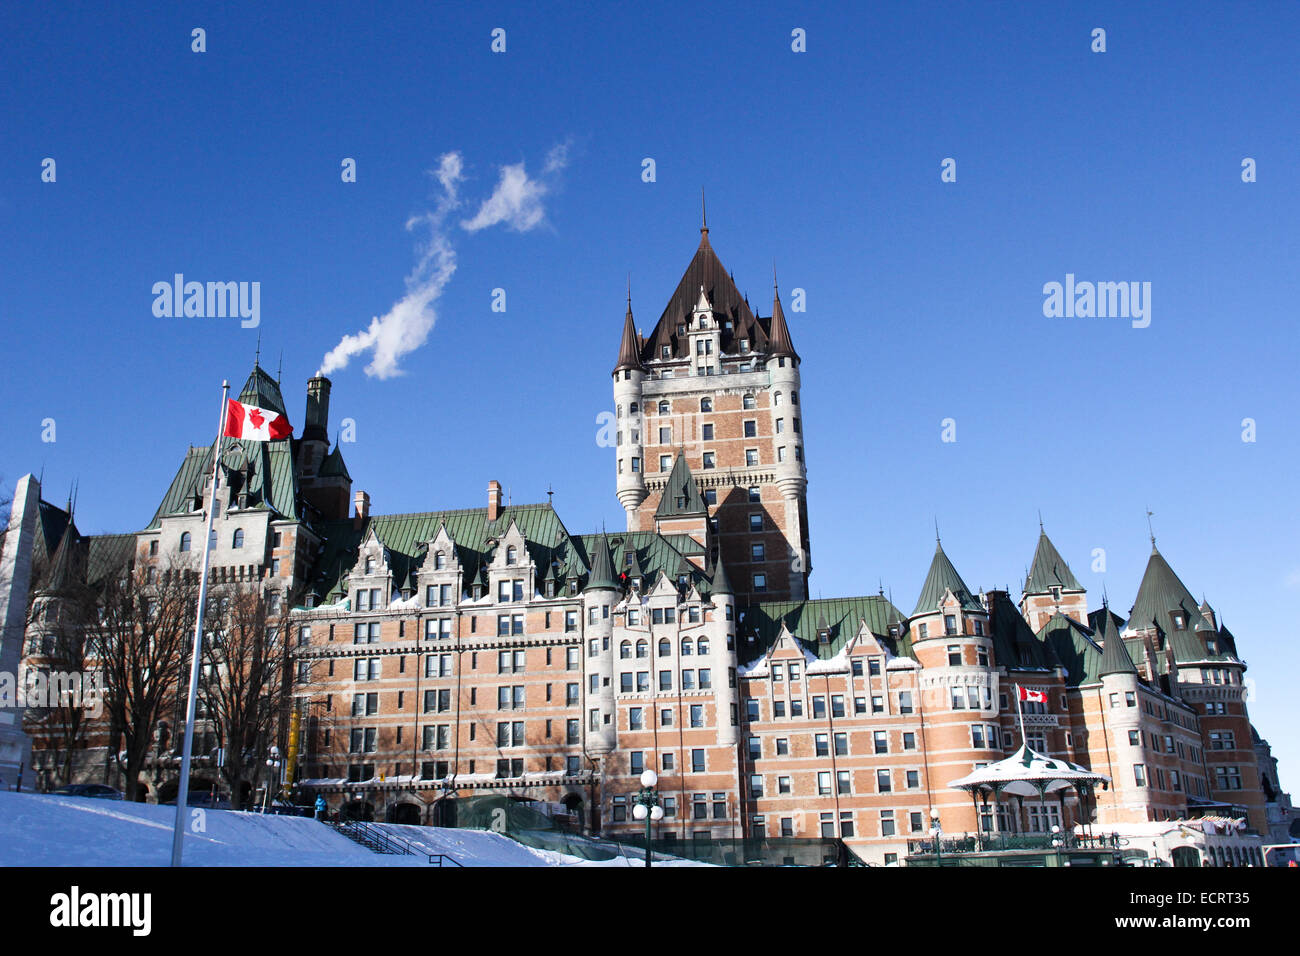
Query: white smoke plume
516,201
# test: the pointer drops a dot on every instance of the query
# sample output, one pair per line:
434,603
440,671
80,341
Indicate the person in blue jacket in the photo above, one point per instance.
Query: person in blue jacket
320,807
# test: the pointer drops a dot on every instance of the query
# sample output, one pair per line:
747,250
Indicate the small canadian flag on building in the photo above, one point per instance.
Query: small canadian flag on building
255,424
1032,696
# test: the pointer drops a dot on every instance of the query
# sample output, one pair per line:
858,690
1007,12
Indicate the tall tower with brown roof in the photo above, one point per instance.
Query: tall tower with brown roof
719,386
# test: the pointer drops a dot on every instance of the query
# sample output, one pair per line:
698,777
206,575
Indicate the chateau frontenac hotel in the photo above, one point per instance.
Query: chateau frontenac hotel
444,655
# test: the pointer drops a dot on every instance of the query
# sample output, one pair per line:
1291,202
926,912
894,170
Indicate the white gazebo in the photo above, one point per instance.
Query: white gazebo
1027,773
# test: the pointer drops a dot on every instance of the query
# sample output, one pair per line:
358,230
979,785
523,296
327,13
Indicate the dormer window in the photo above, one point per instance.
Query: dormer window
439,561
370,564
681,330
1180,621
1211,646
665,352
550,588
950,624
744,345
512,555
1056,593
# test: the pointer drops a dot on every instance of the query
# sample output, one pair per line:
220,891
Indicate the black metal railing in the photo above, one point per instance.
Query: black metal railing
378,840
992,842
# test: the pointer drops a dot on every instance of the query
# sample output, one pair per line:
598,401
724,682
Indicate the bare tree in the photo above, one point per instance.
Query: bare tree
247,680
140,638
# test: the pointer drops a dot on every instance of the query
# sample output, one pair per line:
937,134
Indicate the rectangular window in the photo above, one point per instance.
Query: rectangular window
880,738
886,823
782,746
883,782
913,779
697,760
820,745
755,785
824,783
841,744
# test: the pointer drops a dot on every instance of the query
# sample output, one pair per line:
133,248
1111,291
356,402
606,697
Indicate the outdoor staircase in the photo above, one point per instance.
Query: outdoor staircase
377,840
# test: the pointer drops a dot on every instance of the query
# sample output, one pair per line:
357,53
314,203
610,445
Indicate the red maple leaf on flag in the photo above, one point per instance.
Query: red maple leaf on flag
256,417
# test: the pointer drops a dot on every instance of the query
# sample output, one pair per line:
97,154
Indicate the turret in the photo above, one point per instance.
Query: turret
629,375
598,599
787,429
1051,587
723,652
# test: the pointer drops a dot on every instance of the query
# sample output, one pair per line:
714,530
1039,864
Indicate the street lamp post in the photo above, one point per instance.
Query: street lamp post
273,762
1057,840
646,806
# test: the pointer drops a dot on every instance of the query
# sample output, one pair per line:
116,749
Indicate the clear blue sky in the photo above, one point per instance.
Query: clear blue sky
924,298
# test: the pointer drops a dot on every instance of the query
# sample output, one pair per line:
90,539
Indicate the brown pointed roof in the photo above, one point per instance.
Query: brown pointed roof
629,350
705,271
780,332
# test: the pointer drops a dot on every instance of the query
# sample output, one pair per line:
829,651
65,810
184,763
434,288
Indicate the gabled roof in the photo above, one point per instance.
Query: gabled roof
263,391
944,577
842,616
1073,646
680,497
1049,570
1015,645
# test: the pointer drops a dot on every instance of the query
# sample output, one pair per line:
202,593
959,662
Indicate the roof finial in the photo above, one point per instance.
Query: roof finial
258,354
1150,529
936,531
629,292
1040,521
279,366
774,274
550,494
704,214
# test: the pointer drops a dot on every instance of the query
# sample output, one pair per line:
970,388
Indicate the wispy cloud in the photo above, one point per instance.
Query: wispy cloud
516,201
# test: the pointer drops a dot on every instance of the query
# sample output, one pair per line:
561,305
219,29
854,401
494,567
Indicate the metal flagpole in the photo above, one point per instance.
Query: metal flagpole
182,797
1020,712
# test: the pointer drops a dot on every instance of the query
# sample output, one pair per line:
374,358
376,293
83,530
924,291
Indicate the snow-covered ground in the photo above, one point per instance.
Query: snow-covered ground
44,830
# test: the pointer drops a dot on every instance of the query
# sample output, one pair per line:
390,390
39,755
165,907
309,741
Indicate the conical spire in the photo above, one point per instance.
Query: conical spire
64,566
721,583
779,336
629,350
602,567
263,391
680,496
943,577
1115,658
1049,569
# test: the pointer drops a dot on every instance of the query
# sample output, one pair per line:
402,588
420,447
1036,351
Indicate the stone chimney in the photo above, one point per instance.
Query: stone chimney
361,502
316,424
494,500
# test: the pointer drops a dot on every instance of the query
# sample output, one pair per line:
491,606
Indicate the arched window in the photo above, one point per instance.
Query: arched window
794,398
702,648
748,402
688,647
185,540
370,564
776,398
512,554
663,408
706,404
238,541
665,647
439,561
632,408
642,649
625,650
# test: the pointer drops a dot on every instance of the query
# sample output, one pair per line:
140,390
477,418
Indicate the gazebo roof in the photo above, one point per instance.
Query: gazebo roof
1028,773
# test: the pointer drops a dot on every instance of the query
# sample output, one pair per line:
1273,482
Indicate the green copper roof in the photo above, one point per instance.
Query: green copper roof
681,497
1015,646
263,391
842,616
1115,658
1160,594
108,553
602,567
721,583
405,538
263,470
333,466
1049,570
944,577
1073,646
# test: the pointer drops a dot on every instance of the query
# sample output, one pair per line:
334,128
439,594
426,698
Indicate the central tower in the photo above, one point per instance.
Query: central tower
719,387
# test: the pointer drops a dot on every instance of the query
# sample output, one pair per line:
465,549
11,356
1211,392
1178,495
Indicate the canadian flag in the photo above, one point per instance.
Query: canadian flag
1032,696
255,424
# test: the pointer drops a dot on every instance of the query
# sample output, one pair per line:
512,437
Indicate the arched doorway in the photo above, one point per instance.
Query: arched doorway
407,814
1186,856
573,806
443,813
